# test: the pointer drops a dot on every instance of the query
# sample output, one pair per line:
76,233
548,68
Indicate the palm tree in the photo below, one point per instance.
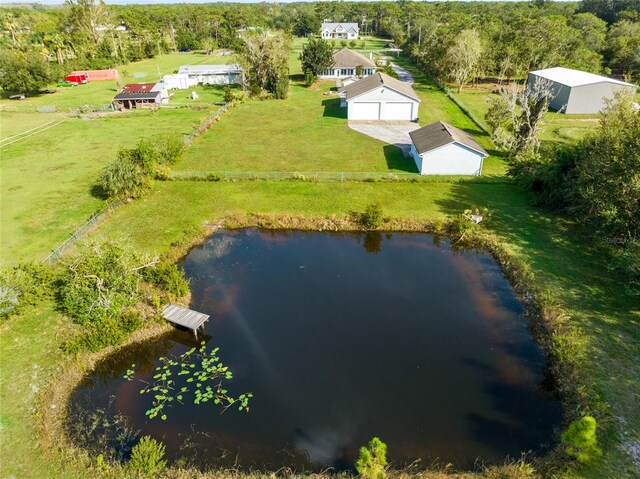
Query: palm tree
55,42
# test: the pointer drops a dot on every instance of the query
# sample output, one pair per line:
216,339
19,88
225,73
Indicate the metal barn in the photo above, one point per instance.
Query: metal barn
578,92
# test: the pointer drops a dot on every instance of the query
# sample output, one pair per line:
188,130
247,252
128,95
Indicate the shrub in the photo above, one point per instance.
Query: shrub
352,44
147,457
162,172
310,79
100,283
232,96
580,439
372,460
25,285
372,216
123,179
170,278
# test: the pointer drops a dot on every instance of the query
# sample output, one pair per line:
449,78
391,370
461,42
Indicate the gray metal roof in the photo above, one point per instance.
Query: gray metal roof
573,78
137,96
209,69
378,80
440,134
346,26
346,58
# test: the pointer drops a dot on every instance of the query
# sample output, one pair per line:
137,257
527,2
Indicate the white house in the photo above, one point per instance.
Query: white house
347,63
212,74
443,149
380,97
342,31
575,91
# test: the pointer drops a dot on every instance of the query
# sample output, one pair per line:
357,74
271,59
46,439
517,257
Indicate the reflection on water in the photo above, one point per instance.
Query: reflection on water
342,337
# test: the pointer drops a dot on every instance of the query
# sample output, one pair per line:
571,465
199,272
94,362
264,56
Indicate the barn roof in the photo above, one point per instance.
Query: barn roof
573,78
150,95
377,80
346,58
440,134
138,87
209,69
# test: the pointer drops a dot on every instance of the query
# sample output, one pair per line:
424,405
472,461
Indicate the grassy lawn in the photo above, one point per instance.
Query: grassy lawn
47,179
559,128
308,132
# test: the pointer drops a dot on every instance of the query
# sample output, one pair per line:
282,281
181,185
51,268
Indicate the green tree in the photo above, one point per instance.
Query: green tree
516,117
265,60
464,57
372,460
603,180
23,72
316,56
623,48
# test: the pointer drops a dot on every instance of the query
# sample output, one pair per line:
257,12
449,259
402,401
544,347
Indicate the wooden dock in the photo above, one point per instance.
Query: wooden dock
184,317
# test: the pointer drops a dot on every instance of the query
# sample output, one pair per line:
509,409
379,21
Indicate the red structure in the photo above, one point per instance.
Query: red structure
138,87
98,75
77,79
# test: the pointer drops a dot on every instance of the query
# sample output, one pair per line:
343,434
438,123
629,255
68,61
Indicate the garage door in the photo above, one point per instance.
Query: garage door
364,111
397,111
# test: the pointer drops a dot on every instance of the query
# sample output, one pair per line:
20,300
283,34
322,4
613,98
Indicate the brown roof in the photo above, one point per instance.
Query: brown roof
138,87
346,58
377,80
439,134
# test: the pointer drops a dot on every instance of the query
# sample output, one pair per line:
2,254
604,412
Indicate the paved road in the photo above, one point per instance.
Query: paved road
403,75
395,133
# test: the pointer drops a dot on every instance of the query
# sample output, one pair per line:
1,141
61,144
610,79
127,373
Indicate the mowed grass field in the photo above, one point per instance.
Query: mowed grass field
48,177
309,132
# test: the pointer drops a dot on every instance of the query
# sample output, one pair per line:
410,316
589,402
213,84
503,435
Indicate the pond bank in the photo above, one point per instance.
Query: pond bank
548,323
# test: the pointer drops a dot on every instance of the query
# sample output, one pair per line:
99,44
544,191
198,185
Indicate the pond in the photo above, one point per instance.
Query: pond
342,337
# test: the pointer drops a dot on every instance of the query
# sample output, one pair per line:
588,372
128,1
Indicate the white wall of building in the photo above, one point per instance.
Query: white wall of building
382,103
451,159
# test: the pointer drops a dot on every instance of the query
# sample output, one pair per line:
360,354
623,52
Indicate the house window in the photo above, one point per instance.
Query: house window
345,72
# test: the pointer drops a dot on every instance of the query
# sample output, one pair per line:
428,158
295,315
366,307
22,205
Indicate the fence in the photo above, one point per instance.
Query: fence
204,126
71,240
327,177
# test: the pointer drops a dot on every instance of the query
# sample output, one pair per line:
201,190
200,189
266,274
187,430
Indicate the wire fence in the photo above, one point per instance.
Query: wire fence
206,124
326,176
80,232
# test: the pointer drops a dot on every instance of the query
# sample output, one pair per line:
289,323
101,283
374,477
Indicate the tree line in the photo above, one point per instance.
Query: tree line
453,41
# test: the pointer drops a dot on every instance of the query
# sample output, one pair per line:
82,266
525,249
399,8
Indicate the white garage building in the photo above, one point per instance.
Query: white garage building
443,149
380,97
575,91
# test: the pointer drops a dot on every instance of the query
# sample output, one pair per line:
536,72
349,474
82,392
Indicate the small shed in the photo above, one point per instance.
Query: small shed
380,97
138,95
578,92
443,149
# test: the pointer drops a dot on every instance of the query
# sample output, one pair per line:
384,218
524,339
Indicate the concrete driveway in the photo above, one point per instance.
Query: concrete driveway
403,75
395,133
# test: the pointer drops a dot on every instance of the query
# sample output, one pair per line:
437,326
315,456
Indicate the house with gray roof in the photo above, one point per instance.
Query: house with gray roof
347,63
211,74
443,149
380,97
340,31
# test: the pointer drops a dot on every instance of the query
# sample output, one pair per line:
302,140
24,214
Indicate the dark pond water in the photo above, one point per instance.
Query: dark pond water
342,337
